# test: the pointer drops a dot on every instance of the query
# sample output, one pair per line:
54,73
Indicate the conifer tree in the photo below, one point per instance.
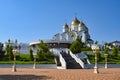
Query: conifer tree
31,55
114,52
1,50
9,51
76,46
43,51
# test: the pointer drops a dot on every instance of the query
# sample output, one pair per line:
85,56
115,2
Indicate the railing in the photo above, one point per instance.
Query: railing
63,63
88,61
57,52
84,56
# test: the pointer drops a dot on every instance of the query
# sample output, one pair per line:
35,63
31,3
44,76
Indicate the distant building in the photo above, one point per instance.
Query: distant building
115,43
22,47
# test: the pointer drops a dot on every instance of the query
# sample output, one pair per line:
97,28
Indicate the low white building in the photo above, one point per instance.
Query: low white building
22,47
115,43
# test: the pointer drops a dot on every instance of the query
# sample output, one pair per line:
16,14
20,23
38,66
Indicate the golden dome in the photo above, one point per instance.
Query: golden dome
65,26
81,24
75,21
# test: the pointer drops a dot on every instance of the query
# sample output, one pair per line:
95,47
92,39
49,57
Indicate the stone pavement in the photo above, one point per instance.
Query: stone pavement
56,74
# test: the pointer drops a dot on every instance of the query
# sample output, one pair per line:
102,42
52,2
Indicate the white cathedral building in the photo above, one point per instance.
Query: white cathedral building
76,29
69,34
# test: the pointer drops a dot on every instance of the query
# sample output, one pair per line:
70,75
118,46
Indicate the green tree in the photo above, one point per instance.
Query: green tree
9,52
96,42
2,53
76,46
43,46
106,50
43,51
31,55
98,56
114,52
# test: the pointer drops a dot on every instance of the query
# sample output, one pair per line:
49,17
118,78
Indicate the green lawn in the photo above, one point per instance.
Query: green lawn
25,59
27,62
111,59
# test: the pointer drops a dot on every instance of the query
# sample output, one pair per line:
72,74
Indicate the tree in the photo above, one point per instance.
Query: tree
114,52
98,56
76,46
9,52
1,50
106,50
31,55
9,49
43,46
96,42
43,51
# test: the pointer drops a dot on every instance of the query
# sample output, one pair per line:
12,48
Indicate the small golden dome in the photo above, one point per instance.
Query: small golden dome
81,24
65,26
75,21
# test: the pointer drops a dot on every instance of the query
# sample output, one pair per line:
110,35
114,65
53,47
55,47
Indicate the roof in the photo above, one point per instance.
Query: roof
50,41
115,41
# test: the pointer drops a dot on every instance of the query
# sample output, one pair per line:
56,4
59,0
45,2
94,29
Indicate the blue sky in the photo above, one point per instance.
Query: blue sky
31,20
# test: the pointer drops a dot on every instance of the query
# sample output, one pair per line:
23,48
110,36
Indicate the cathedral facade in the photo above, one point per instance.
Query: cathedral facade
70,33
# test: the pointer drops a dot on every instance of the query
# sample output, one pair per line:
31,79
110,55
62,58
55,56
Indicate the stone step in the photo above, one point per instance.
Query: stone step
70,62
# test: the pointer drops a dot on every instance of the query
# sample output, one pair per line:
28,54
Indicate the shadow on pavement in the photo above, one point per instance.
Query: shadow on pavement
23,77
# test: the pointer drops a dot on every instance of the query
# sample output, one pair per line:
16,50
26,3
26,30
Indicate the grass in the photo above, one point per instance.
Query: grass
111,59
17,62
26,62
25,59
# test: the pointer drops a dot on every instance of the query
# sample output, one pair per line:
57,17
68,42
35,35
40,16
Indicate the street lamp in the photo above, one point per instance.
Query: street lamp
95,49
106,65
15,51
34,65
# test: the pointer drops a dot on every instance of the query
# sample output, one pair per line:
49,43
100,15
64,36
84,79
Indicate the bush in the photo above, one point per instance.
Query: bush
86,49
31,55
43,52
76,46
114,52
98,56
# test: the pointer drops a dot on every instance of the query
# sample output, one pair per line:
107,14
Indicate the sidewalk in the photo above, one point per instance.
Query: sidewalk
55,74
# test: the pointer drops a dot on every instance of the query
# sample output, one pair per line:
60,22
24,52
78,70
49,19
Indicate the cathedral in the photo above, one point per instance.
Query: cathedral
71,32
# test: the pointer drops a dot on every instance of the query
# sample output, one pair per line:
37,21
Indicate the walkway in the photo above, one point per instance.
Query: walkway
55,74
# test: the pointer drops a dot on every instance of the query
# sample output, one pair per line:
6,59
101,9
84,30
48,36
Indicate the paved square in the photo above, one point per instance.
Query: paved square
57,74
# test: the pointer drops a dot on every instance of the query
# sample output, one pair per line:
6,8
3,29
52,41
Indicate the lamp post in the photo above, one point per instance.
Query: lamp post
34,65
106,65
95,49
15,51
